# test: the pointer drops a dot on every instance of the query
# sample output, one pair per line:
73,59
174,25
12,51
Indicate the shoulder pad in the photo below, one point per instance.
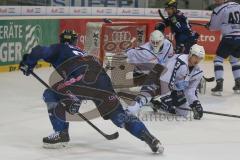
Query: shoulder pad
218,9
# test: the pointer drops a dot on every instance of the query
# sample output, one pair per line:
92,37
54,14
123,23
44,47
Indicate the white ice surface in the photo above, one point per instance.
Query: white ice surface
24,121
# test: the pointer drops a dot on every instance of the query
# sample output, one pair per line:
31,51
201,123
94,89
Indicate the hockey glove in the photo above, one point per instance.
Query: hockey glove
178,98
207,25
180,48
24,67
167,104
197,110
74,107
181,85
160,26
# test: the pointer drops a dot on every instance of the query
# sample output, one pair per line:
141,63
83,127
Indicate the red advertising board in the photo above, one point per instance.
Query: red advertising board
208,39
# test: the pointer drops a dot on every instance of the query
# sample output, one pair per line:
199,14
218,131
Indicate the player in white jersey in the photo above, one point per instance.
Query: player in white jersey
157,51
226,18
177,83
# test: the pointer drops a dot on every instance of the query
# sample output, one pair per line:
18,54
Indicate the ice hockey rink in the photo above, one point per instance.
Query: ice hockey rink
24,122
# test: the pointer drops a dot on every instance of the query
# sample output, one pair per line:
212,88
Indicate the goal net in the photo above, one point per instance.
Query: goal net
109,42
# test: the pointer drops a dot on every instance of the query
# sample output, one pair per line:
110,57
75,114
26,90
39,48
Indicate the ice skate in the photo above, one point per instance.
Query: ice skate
218,89
153,143
56,140
236,88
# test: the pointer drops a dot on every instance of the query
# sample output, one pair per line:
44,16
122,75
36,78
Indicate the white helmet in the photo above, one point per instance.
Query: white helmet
156,40
197,50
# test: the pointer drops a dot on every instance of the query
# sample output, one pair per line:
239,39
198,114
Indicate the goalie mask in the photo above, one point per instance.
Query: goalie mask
156,40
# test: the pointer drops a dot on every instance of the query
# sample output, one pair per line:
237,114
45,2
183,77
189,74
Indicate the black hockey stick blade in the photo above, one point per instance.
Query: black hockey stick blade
112,136
107,136
210,79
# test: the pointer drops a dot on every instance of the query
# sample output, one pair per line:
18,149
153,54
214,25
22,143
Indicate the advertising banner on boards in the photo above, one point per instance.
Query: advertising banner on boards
18,37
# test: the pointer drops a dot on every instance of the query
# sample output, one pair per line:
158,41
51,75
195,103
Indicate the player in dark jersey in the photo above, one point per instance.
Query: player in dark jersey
184,36
83,78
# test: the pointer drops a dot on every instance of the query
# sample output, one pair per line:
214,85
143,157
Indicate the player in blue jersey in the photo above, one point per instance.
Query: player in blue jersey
89,82
184,36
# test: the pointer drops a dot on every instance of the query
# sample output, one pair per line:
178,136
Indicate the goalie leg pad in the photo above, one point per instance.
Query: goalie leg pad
152,83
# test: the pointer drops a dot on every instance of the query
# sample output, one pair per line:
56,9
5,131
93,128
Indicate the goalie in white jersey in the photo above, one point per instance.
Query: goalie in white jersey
226,18
177,81
157,51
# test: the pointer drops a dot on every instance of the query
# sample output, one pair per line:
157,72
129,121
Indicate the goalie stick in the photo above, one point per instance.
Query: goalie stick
107,136
132,97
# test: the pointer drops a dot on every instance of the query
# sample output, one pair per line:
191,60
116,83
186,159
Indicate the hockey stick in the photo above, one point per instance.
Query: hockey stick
214,113
161,15
107,20
198,24
107,136
132,97
210,79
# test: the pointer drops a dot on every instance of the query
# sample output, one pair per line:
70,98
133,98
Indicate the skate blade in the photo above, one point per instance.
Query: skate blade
237,91
55,146
160,149
217,93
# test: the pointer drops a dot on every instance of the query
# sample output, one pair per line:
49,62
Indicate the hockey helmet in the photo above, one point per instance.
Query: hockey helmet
156,40
197,50
69,36
171,4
